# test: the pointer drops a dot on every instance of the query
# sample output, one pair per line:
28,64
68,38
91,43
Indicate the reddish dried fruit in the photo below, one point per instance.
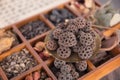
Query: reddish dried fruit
67,39
64,52
56,33
85,52
59,63
81,66
29,77
51,45
65,68
36,75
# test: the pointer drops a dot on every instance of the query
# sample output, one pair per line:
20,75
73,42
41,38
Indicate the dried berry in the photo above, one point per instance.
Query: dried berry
67,39
81,66
72,28
59,63
85,52
56,33
51,45
65,68
64,76
63,52
86,38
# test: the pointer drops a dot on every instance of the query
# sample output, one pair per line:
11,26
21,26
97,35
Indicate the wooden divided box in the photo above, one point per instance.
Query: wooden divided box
28,36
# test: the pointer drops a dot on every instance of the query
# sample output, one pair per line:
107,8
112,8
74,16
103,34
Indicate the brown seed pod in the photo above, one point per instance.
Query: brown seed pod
56,33
66,68
67,39
59,63
81,66
51,45
72,28
63,52
85,52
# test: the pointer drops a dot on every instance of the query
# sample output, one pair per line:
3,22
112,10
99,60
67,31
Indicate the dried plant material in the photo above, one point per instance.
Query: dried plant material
36,75
29,77
89,3
39,46
6,43
104,15
115,19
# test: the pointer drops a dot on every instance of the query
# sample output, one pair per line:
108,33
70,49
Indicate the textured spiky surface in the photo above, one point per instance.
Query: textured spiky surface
56,33
81,66
59,63
63,52
67,39
51,45
66,68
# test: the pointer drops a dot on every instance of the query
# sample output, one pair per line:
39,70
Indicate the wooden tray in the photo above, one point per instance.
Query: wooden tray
94,73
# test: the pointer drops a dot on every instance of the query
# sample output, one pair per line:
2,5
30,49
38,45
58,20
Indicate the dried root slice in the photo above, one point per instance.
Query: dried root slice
64,52
56,33
67,39
66,68
81,66
64,76
59,63
85,52
51,45
6,43
86,38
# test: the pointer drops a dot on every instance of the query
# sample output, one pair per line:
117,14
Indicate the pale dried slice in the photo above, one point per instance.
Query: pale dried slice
5,43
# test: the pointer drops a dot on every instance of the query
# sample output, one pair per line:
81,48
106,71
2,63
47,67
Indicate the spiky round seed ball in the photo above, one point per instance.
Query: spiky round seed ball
86,38
72,28
56,33
65,68
51,45
76,48
81,66
79,22
64,76
63,52
59,63
75,74
67,39
85,52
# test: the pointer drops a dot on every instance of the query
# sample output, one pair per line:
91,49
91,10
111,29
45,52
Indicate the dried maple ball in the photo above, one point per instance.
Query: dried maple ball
65,68
72,28
64,52
86,38
64,76
81,66
79,22
56,33
85,52
51,45
67,39
59,63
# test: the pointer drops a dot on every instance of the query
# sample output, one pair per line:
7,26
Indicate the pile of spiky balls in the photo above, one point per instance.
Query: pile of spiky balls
73,37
